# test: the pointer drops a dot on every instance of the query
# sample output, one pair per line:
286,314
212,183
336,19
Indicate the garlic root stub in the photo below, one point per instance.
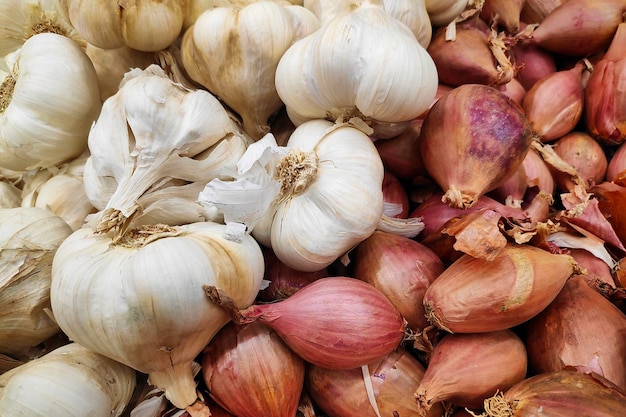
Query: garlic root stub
472,140
477,295
141,301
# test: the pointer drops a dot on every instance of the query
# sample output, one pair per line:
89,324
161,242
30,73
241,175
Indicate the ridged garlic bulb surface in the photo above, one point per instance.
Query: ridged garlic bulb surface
310,201
141,301
410,12
70,381
29,237
145,25
391,78
48,102
234,51
151,135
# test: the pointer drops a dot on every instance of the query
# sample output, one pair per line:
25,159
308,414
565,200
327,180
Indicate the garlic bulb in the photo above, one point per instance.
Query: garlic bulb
21,19
145,25
48,102
70,381
29,237
410,12
310,201
233,52
392,79
194,8
140,301
61,191
152,134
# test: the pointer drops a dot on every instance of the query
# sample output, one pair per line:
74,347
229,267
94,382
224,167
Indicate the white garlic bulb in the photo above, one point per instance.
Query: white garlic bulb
29,237
145,25
48,103
154,133
61,191
233,52
312,200
70,381
141,301
391,78
410,12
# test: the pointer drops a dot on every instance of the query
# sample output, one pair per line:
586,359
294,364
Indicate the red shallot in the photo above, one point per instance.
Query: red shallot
472,140
334,322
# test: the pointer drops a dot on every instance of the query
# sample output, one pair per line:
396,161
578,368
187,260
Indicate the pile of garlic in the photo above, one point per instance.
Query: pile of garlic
140,163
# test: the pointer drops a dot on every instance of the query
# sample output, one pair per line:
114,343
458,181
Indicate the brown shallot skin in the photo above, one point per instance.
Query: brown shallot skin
342,393
464,369
249,371
505,13
473,139
400,268
475,295
565,393
579,329
584,153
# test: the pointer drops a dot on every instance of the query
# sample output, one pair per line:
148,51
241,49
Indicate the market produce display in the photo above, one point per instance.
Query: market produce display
312,208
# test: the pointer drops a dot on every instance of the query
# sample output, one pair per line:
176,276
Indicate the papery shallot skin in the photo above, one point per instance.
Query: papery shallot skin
565,393
472,140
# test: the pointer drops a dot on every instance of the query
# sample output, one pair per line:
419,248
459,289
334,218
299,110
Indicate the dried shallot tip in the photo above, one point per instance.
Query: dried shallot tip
558,394
604,116
401,268
538,172
250,371
474,128
393,379
464,369
579,329
479,295
577,27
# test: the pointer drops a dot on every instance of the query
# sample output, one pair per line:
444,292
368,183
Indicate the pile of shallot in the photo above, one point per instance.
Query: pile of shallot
314,208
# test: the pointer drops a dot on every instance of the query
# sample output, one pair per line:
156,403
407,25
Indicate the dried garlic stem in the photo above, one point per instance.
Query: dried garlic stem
6,92
178,384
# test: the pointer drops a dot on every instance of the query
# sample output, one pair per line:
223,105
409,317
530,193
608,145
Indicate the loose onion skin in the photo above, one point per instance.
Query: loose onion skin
473,129
559,394
475,295
334,322
580,329
400,268
249,371
341,393
464,369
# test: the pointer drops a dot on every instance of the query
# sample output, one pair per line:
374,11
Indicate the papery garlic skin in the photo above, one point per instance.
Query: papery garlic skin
392,79
29,237
142,302
151,132
48,103
10,195
61,191
442,12
145,25
233,52
70,381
